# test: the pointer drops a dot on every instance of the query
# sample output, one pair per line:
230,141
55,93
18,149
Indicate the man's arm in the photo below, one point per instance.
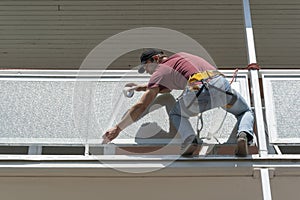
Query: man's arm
144,87
137,87
132,115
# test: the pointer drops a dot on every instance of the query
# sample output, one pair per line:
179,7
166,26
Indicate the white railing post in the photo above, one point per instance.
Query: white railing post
265,182
254,80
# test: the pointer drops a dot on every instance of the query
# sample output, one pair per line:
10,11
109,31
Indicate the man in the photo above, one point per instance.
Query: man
204,88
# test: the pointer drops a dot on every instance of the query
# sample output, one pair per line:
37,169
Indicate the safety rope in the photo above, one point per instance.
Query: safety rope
252,66
234,75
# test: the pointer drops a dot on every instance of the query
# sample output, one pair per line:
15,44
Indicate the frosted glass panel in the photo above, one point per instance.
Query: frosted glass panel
70,111
36,111
282,108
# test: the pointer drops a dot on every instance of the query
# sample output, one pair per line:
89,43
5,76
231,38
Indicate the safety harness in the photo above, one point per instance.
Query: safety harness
199,81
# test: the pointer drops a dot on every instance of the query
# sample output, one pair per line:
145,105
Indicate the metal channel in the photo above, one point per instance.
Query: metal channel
254,80
265,181
263,150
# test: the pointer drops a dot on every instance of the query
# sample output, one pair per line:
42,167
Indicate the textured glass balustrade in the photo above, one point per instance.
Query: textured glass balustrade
282,103
45,108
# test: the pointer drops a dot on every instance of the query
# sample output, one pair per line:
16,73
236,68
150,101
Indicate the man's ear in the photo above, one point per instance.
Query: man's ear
156,57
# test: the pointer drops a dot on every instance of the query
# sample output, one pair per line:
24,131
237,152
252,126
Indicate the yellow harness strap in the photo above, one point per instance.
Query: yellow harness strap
194,80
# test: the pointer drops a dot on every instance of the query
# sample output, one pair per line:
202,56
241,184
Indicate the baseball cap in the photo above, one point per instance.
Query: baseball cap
146,55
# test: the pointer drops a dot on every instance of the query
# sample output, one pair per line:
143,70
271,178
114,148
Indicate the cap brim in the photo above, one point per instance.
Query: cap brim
141,68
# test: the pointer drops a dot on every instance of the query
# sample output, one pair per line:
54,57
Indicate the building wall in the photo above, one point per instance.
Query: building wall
277,32
49,188
59,34
88,178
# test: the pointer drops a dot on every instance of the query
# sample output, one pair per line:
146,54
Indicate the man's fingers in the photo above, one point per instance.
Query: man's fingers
105,138
130,84
110,135
105,141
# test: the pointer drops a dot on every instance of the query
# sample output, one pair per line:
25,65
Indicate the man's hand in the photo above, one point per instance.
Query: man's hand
131,84
111,134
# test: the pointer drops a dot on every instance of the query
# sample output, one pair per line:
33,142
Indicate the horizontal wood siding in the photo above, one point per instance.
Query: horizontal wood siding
277,32
58,34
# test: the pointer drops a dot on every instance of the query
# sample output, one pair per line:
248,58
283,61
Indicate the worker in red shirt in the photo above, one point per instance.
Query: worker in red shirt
204,88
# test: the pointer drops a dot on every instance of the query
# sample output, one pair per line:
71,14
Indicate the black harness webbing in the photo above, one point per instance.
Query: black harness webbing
205,85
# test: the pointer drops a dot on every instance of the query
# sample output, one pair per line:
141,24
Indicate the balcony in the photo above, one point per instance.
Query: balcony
52,121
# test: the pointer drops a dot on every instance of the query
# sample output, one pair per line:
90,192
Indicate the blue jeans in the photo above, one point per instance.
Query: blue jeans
189,105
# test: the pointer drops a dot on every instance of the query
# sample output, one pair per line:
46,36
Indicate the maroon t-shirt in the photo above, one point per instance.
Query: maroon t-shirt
174,72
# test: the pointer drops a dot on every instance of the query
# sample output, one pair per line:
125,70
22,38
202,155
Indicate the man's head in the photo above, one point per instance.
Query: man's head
150,56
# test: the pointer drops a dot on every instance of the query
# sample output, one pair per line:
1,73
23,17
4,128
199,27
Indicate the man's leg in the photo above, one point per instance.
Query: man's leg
164,100
240,109
180,118
244,115
245,121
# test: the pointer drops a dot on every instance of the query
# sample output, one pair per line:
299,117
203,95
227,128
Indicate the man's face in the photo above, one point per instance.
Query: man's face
150,67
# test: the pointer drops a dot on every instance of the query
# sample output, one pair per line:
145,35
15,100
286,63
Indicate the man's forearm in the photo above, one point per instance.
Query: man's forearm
131,116
138,109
